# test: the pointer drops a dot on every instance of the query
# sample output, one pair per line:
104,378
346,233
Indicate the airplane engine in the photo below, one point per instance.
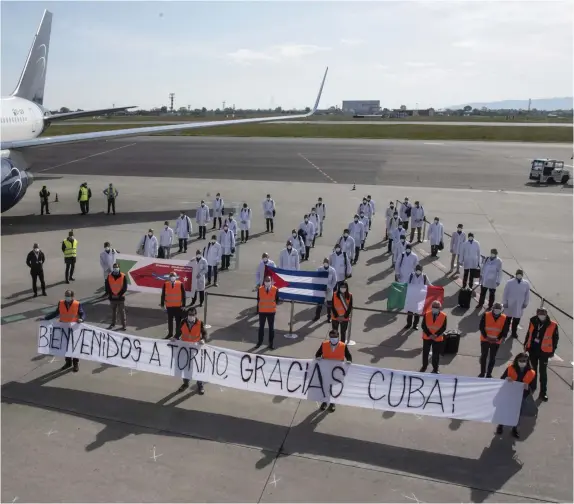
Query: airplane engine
15,183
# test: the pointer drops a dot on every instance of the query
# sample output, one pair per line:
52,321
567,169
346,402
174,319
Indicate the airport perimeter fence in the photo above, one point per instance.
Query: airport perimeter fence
543,300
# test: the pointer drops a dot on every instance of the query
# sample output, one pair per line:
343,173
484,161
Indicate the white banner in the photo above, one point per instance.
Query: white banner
447,396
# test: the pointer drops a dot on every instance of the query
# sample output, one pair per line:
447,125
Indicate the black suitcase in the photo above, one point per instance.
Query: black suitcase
464,297
451,342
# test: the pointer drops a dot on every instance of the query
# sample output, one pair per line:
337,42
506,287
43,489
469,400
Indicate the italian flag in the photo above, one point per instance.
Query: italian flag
413,298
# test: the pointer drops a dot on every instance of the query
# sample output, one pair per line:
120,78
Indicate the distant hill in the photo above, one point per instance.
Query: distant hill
540,104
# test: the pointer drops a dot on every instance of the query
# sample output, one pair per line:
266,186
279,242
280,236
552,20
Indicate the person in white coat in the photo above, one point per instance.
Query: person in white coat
309,233
341,263
405,210
314,219
269,212
260,271
321,213
435,236
365,221
456,241
416,278
399,246
515,299
395,223
347,244
148,246
470,259
107,259
218,210
366,208
331,285
417,221
232,224
490,277
202,218
245,222
297,243
371,203
183,231
212,254
388,216
357,232
289,257
406,264
227,242
200,269
165,241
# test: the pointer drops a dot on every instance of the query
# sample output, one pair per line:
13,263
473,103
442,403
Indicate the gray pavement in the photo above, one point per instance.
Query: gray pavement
100,427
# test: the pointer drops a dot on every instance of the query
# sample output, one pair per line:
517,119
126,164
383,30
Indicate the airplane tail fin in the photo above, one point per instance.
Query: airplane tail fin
33,78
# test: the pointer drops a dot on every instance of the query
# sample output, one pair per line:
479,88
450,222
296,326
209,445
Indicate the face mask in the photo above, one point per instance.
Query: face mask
521,364
343,290
346,235
320,201
225,228
493,256
267,284
338,250
38,250
362,216
289,247
518,277
198,257
408,251
213,242
542,318
334,341
392,206
116,270
436,221
459,230
181,215
326,265
306,220
364,202
172,279
203,204
191,319
402,240
356,220
265,260
417,205
166,226
294,235
268,199
395,215
217,197
418,273
150,234
435,311
68,299
497,312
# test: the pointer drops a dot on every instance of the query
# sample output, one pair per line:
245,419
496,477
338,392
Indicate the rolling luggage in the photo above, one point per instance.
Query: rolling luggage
451,342
464,297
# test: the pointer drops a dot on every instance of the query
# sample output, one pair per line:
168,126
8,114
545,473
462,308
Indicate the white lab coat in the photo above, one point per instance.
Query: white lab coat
417,216
183,227
202,215
397,233
403,211
365,222
398,249
232,224
422,279
298,243
107,260
150,246
456,241
388,216
394,224
470,255
166,237
491,273
289,260
268,207
516,297
338,263
372,203
309,229
218,207
331,281
212,254
321,211
227,241
348,246
200,270
245,219
314,219
366,208
357,231
435,233
406,265
260,272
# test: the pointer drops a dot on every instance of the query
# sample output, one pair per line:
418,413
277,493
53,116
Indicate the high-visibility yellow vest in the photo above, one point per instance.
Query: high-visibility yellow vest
83,193
71,248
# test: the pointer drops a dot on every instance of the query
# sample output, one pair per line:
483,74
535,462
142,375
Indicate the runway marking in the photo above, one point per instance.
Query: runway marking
433,143
155,456
87,157
317,168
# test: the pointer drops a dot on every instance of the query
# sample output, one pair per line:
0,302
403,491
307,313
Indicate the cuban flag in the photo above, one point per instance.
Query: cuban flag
309,286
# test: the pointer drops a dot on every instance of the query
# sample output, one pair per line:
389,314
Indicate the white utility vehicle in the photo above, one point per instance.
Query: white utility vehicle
549,170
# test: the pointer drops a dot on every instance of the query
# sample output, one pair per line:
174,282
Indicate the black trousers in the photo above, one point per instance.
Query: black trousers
405,225
210,270
173,313
201,297
214,220
84,207
44,205
413,317
491,294
70,266
436,350
488,351
72,361
434,250
183,244
244,235
319,309
357,250
307,252
370,222
269,224
514,326
202,231
469,276
112,205
35,275
390,246
539,363
341,327
225,260
270,318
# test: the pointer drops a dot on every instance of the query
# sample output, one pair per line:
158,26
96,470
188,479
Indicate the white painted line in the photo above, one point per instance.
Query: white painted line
87,157
318,169
433,143
275,481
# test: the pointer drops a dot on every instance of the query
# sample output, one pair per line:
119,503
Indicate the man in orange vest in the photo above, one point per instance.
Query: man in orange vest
70,311
541,343
493,328
267,300
520,371
116,288
333,349
173,298
341,308
433,326
192,331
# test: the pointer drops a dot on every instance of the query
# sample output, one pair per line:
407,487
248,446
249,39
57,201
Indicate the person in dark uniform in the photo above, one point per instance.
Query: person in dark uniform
173,298
44,204
70,311
111,194
70,250
35,261
541,343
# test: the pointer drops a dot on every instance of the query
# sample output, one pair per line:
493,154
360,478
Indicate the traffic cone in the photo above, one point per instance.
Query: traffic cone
353,187
56,200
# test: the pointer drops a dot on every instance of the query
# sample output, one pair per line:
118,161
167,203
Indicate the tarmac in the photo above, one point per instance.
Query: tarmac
108,434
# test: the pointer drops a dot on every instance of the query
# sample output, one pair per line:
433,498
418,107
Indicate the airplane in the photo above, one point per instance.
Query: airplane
24,119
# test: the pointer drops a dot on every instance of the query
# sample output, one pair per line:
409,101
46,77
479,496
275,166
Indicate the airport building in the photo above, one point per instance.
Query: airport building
365,107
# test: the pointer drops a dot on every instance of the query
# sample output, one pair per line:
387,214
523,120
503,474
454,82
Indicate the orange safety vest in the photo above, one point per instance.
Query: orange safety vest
434,325
267,302
493,327
341,306
173,294
527,378
70,314
547,345
337,353
116,284
193,334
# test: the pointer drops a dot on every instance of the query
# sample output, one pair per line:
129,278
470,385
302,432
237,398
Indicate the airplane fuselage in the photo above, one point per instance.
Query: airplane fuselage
21,119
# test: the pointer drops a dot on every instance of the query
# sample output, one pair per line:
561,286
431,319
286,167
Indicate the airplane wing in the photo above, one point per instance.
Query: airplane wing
84,113
103,135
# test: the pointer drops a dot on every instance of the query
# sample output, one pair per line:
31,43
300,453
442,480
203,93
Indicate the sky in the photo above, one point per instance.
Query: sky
269,54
